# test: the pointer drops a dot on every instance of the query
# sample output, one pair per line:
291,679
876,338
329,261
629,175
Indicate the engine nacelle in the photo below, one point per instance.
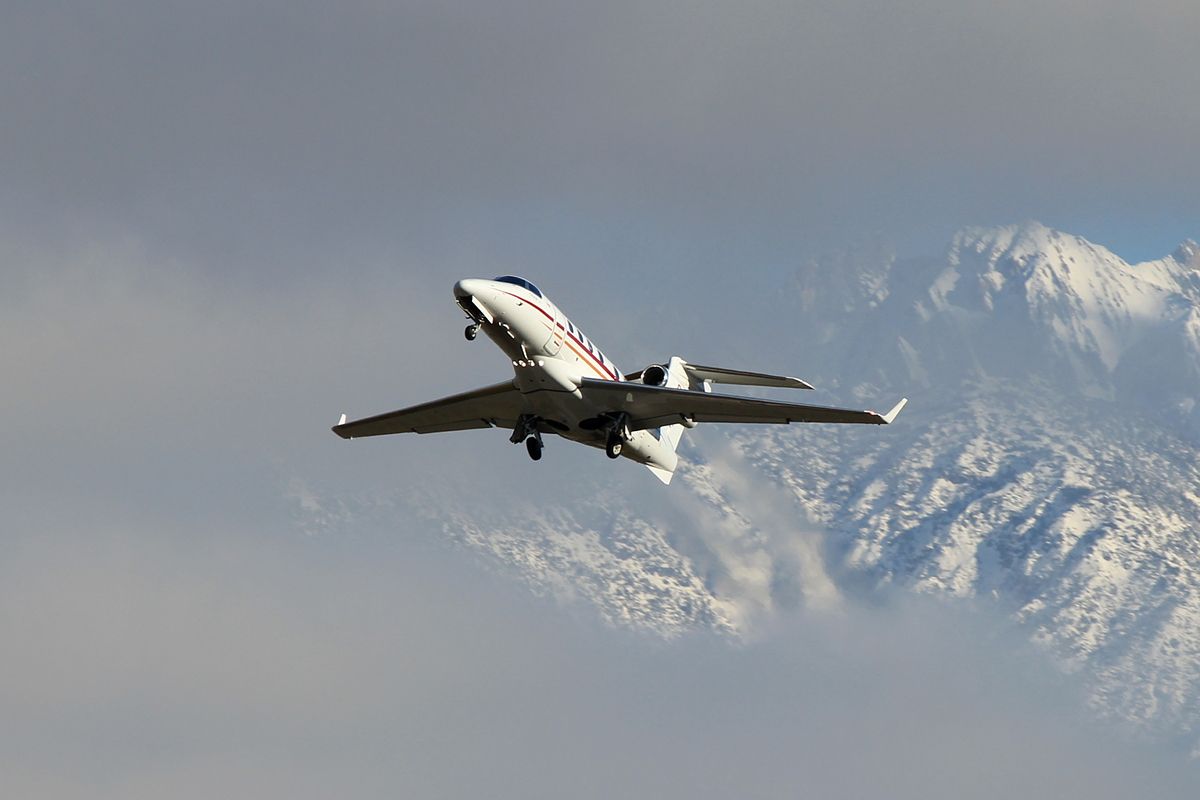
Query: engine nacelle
655,375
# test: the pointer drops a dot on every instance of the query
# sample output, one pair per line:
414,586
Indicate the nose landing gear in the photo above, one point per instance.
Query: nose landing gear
471,332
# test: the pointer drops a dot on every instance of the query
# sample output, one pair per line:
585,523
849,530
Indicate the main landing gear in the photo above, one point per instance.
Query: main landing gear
471,331
527,429
618,434
613,446
534,445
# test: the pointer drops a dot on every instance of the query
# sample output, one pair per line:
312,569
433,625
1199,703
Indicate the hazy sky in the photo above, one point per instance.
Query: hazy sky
249,130
221,225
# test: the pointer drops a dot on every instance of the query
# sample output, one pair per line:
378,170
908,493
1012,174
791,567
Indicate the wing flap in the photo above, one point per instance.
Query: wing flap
498,405
446,427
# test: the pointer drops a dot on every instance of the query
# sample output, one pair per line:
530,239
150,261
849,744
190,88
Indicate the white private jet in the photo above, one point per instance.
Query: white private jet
565,385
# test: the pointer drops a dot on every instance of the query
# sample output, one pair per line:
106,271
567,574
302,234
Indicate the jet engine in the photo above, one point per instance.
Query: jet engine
655,375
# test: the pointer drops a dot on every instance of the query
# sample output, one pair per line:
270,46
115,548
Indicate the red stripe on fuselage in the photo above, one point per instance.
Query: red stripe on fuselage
611,373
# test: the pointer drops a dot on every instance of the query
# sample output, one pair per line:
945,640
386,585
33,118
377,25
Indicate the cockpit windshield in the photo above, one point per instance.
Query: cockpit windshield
514,280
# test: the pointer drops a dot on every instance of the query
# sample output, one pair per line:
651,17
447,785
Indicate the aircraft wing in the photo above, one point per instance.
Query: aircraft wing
498,405
655,406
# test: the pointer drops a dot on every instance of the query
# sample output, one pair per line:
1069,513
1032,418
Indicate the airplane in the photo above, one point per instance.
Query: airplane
564,384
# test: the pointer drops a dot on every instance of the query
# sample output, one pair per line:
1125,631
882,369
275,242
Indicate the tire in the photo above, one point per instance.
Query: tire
471,332
613,447
534,447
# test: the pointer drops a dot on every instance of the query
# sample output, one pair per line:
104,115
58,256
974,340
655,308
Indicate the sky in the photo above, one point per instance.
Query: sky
223,224
265,136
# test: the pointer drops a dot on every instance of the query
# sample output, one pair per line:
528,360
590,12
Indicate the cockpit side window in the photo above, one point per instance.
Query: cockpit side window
517,281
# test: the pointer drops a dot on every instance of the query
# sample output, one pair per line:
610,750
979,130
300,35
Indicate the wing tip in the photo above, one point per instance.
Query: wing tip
341,422
895,412
801,384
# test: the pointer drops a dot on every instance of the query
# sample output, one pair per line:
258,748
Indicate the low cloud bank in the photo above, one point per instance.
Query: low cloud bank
145,660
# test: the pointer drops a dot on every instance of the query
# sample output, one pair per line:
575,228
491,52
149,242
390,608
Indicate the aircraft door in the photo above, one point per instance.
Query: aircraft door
554,343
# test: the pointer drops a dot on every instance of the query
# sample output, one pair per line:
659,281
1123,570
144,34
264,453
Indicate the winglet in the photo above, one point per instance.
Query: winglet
895,412
340,433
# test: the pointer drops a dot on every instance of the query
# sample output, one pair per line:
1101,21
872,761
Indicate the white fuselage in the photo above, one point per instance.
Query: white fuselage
550,357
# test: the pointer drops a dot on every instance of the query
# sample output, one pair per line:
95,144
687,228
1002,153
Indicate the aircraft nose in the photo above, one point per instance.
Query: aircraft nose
469,287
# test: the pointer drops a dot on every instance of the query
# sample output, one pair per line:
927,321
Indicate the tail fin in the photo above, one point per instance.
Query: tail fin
669,435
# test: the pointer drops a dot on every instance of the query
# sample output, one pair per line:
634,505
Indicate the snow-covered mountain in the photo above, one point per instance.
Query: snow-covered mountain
1016,302
1049,459
1047,464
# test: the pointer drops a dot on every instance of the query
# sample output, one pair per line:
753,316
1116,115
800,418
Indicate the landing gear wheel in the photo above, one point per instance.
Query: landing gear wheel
471,332
534,446
613,447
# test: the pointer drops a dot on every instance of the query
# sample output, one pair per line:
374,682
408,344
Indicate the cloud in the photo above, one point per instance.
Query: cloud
762,555
146,660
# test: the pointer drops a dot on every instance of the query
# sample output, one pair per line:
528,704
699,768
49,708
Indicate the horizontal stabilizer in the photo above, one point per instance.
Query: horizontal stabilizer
742,377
